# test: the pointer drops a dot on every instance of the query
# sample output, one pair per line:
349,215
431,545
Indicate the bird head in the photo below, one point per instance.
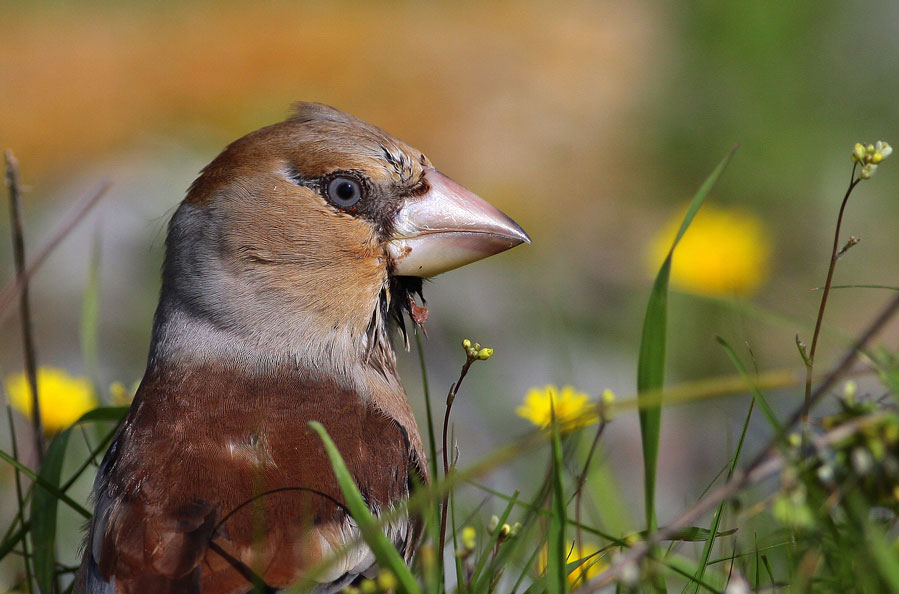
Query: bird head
302,238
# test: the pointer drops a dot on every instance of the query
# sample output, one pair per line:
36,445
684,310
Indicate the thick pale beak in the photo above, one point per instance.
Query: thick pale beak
448,227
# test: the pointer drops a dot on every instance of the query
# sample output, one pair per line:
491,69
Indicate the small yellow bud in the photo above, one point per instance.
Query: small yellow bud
469,538
858,153
870,149
351,590
494,522
849,390
466,344
516,528
368,586
119,394
878,449
795,440
427,556
477,346
505,531
608,397
387,581
485,353
891,433
876,158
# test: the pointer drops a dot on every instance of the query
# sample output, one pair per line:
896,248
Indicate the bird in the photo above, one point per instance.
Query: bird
291,266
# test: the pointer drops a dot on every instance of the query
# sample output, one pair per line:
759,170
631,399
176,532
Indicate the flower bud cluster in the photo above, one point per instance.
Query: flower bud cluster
505,531
475,351
870,156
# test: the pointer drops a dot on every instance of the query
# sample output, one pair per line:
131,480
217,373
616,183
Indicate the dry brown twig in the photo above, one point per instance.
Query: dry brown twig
14,289
18,248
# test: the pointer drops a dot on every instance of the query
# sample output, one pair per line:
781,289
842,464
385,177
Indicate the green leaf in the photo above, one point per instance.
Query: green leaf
385,552
651,362
44,507
103,413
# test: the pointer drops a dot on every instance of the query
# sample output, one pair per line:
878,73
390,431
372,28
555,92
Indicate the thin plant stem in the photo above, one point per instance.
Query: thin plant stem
834,256
18,236
26,557
581,481
432,440
454,389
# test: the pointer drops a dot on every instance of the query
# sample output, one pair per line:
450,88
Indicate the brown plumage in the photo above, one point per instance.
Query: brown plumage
285,262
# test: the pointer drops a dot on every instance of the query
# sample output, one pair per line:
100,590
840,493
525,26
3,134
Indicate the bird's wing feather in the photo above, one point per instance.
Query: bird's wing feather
194,493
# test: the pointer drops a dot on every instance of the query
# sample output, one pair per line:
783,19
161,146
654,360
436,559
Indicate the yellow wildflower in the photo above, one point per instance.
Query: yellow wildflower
724,252
63,398
593,566
572,408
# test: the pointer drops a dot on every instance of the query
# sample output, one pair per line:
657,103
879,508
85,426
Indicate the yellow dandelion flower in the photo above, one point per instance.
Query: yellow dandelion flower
724,252
593,566
573,409
63,398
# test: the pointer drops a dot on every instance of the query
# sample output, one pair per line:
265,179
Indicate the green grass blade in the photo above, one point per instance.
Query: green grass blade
881,548
650,374
531,549
90,315
461,585
385,552
707,549
432,439
479,585
768,569
435,577
13,539
556,574
46,485
44,507
757,396
887,287
651,362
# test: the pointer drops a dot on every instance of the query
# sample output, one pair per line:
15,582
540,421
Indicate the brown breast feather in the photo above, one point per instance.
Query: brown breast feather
210,455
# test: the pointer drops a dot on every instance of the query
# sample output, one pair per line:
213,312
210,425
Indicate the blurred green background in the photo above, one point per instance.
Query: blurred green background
590,123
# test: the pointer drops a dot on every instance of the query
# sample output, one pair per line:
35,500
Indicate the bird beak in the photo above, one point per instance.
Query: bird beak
448,227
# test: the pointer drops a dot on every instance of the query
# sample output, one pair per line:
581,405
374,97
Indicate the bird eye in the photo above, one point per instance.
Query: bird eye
344,192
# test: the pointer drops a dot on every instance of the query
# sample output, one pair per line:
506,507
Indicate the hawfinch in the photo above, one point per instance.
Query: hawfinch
293,256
